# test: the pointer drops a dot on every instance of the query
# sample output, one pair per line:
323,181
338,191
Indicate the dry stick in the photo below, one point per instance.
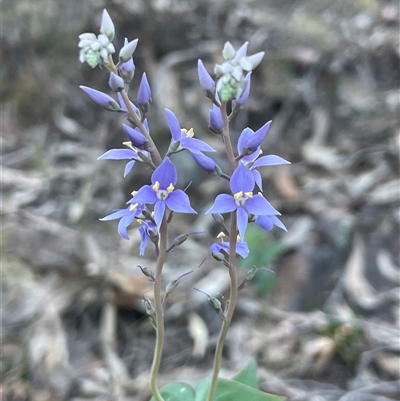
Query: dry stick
232,269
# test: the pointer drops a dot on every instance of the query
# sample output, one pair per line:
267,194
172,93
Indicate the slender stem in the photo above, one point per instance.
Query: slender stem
152,147
232,269
159,311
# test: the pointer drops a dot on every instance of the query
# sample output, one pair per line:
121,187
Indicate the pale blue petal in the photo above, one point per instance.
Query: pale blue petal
242,180
257,178
123,225
144,239
195,144
278,223
242,220
244,136
128,167
173,124
259,206
145,195
159,210
269,160
179,202
165,174
116,215
119,154
224,203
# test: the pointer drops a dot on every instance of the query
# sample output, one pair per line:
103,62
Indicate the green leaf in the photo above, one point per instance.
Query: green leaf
177,392
230,390
248,375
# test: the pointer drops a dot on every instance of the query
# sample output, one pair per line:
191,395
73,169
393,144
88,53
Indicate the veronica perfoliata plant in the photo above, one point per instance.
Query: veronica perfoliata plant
153,206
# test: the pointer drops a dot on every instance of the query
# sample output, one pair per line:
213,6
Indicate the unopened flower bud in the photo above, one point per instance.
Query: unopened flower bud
144,157
249,63
251,273
126,52
171,287
215,303
135,136
180,239
102,99
206,81
144,94
127,70
116,83
148,307
174,147
256,140
218,256
216,123
218,218
147,272
107,26
205,162
240,101
228,52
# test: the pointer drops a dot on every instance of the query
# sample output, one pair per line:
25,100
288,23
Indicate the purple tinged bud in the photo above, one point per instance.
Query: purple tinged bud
246,91
127,70
107,26
102,99
256,140
116,83
144,93
206,81
135,136
205,162
216,123
126,52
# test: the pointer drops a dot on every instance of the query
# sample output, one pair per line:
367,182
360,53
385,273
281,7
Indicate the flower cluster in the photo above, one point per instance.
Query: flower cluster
153,205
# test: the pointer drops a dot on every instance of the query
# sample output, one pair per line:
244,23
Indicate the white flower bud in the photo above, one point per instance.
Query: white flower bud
107,26
229,51
126,52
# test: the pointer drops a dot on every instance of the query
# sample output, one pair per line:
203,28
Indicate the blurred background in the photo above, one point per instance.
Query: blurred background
326,325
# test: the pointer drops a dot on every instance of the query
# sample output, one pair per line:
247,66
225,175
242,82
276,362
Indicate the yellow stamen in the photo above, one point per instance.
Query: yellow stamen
261,152
170,188
238,238
128,144
156,186
238,195
133,207
190,133
220,235
248,194
133,193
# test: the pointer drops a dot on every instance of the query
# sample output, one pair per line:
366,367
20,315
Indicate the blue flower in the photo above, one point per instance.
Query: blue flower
162,192
182,138
251,160
242,249
243,200
146,230
127,216
137,140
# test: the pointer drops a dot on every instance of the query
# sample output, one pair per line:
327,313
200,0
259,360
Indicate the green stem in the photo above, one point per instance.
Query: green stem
159,312
232,270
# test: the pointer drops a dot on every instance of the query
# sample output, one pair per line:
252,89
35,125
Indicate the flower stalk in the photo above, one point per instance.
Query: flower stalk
233,295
